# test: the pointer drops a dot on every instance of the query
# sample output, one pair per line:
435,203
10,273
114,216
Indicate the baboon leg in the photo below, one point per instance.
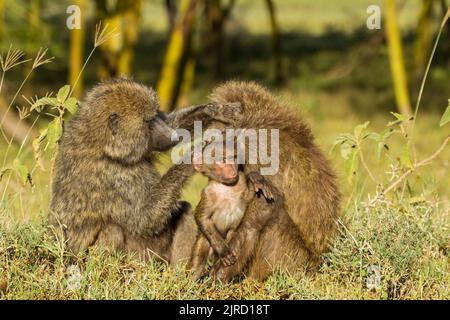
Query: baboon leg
279,248
262,264
184,239
245,238
111,237
81,236
200,257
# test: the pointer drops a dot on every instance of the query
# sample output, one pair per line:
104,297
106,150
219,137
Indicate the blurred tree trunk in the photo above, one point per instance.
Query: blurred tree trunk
130,22
2,18
171,10
217,15
12,125
422,44
444,9
189,70
76,52
117,54
177,55
396,59
279,73
109,51
34,24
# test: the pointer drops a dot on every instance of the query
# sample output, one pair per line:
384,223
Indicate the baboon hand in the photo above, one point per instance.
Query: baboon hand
220,272
260,184
227,256
229,259
228,113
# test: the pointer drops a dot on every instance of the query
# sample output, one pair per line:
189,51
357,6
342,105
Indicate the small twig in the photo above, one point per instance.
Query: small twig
366,167
418,165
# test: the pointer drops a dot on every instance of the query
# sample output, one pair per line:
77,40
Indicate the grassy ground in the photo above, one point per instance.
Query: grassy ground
336,81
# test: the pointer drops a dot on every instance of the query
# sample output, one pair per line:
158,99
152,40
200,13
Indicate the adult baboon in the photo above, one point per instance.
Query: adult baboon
305,178
106,190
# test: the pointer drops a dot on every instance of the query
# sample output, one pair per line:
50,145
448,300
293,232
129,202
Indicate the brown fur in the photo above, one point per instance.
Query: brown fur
221,209
106,190
306,180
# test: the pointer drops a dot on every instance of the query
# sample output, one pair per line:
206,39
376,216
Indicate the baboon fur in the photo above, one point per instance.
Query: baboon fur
305,179
106,190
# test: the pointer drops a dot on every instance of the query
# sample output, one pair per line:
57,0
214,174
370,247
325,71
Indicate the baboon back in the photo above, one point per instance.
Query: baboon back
305,176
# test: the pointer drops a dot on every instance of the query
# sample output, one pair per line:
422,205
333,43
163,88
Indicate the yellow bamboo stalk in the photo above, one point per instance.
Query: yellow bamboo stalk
130,37
396,59
422,45
2,17
77,37
172,60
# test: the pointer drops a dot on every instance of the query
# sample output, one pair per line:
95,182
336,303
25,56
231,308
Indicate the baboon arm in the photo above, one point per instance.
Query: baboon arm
164,197
185,117
245,238
199,257
203,216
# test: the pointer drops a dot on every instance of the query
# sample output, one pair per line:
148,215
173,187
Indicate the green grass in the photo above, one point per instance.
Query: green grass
408,243
337,82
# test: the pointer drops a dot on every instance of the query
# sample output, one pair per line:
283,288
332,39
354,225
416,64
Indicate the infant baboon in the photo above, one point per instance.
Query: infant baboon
304,178
106,190
221,208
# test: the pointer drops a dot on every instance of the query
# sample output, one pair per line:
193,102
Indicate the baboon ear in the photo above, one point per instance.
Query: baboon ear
113,122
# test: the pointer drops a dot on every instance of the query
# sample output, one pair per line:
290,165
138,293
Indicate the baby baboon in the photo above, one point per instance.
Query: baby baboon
106,190
305,178
221,209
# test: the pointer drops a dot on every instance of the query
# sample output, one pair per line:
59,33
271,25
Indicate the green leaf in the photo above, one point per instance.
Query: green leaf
341,139
45,101
446,116
400,117
381,145
71,105
63,93
359,129
405,157
346,150
351,164
54,131
22,171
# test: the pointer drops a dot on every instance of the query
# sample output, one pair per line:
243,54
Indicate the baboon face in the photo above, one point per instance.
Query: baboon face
134,126
223,170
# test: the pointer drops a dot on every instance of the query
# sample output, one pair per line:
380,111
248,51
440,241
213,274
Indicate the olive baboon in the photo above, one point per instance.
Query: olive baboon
306,180
106,190
221,209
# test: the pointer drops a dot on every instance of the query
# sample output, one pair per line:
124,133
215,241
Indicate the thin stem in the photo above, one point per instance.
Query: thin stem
12,101
1,80
418,165
424,79
81,71
361,157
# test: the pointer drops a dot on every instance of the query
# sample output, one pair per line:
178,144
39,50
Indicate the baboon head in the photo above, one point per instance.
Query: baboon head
218,168
126,114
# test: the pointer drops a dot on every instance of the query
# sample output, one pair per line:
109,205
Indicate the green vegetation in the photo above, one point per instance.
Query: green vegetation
338,78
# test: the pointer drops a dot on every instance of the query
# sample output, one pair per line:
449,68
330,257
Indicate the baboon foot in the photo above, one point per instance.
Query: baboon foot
260,184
